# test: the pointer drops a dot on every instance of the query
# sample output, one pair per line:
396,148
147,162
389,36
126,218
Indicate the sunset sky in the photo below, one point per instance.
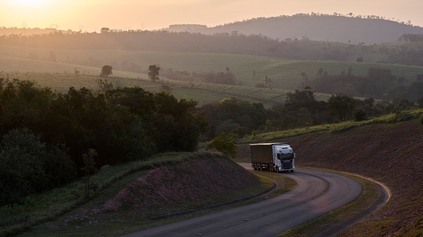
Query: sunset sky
91,15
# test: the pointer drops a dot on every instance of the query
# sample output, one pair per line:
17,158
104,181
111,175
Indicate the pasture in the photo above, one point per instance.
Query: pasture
61,69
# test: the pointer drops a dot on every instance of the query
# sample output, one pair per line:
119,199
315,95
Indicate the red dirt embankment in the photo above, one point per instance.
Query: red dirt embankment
391,153
192,181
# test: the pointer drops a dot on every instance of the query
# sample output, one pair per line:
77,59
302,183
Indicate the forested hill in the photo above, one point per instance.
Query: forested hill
335,28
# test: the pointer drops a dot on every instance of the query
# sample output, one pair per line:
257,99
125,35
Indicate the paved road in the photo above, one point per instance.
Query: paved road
317,192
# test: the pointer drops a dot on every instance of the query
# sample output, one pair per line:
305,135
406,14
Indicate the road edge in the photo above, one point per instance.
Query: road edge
380,202
384,196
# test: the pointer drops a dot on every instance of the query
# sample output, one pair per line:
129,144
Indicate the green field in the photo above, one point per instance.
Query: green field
285,75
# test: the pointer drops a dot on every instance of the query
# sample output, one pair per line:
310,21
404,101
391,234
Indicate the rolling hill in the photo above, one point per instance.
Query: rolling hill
334,28
130,69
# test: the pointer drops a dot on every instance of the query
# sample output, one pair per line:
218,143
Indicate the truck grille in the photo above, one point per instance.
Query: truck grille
286,164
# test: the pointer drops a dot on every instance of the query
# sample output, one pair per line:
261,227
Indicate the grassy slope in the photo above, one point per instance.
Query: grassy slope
203,93
389,152
137,195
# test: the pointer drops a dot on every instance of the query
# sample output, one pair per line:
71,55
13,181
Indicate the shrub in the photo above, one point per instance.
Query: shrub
224,143
400,116
421,119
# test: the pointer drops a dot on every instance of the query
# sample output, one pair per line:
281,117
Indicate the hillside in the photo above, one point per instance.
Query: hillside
334,28
150,197
391,153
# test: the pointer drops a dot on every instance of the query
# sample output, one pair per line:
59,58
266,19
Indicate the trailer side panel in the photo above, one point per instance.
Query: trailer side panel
261,153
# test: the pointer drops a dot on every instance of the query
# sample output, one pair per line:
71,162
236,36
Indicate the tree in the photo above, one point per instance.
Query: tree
106,70
105,30
153,72
301,99
267,81
89,169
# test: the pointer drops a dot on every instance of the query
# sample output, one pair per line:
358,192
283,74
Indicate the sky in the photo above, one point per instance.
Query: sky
92,15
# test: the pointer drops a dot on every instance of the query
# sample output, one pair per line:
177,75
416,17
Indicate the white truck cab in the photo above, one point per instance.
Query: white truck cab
283,157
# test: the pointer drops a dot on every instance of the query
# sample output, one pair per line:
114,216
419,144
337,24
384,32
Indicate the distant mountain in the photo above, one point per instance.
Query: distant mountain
335,28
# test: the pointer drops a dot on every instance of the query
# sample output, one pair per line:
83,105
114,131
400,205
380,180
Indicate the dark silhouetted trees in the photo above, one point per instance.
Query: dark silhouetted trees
233,116
44,133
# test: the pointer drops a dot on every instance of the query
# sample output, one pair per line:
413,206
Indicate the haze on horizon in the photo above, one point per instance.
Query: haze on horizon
152,15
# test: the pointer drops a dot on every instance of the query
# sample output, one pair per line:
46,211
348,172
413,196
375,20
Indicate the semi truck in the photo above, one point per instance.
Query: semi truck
274,157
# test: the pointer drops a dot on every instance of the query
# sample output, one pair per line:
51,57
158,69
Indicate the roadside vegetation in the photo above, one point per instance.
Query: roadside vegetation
117,207
336,127
38,208
44,133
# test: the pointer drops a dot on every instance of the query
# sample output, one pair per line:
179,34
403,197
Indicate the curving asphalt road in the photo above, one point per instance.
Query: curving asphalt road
316,193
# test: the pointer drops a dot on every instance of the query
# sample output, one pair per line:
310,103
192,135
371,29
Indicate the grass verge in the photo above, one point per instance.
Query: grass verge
334,128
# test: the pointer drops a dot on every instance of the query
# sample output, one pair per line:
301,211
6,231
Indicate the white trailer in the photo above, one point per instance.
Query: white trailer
274,157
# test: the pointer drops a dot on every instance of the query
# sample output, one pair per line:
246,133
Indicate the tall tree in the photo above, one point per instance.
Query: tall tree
153,72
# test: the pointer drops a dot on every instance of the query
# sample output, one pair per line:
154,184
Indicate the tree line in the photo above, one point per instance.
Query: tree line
379,83
236,43
299,109
45,135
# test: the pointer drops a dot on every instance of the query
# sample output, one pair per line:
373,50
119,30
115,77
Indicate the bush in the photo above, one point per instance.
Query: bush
224,143
421,119
30,166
